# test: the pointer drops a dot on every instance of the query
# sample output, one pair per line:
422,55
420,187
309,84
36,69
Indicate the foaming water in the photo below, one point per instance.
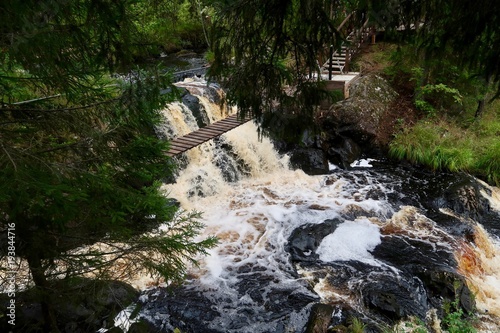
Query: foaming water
480,263
202,182
352,240
253,203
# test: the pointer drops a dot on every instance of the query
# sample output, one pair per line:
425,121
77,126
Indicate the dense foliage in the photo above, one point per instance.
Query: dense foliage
79,158
169,26
266,60
258,55
460,121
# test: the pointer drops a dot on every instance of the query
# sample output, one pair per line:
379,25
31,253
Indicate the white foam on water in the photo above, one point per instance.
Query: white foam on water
362,163
352,240
493,196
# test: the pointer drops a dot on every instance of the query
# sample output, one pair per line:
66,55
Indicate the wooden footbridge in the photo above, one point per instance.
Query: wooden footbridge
193,139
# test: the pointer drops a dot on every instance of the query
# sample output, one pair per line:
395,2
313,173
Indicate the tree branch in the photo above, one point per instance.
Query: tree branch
63,109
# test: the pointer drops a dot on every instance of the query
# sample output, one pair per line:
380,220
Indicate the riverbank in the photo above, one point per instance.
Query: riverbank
446,138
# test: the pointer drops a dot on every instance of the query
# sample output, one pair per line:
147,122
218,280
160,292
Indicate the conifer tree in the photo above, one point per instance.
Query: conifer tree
80,163
266,54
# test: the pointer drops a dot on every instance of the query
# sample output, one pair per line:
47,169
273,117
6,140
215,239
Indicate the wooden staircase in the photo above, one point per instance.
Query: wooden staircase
339,60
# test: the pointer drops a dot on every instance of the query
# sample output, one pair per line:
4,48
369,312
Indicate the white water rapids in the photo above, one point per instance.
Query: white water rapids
254,215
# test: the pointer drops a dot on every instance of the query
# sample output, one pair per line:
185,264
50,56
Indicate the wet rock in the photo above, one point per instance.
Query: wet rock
321,315
351,211
412,254
395,297
261,303
140,327
304,241
385,294
343,319
312,161
198,111
227,160
437,193
418,276
352,126
343,151
434,266
462,195
182,309
317,207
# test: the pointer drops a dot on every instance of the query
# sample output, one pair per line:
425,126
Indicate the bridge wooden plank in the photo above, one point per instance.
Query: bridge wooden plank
222,123
207,135
213,129
175,151
236,118
202,139
232,122
189,140
181,145
199,136
218,124
179,139
207,128
224,127
219,127
233,116
184,146
192,137
210,131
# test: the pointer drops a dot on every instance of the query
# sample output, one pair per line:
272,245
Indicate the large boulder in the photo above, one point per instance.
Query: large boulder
80,305
353,126
311,160
257,302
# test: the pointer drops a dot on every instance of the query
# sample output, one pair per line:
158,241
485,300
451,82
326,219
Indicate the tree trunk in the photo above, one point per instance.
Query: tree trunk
480,108
38,274
481,102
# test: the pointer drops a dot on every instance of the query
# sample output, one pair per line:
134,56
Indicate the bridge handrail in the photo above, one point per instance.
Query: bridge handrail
345,21
178,76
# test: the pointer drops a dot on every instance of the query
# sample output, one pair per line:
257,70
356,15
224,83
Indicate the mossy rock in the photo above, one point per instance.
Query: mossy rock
80,305
356,121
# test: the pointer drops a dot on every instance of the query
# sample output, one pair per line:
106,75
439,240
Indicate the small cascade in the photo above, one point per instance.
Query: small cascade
380,242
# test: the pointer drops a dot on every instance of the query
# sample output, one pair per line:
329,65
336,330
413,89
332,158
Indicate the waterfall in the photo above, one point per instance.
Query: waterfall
379,241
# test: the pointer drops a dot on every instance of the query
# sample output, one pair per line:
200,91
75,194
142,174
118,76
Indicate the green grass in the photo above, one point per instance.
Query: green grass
449,137
356,326
443,144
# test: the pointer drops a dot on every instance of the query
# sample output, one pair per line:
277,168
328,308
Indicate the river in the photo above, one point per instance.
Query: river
381,241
